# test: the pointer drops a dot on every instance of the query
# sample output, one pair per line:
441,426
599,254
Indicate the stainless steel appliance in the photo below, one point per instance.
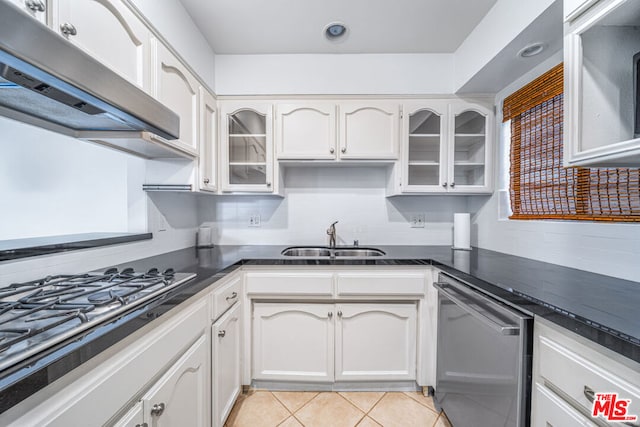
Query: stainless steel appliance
483,375
38,314
47,81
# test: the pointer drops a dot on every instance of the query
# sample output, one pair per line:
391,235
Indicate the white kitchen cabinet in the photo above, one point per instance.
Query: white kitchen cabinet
385,333
552,411
226,339
568,370
369,130
601,126
111,33
180,396
208,170
39,9
424,147
469,154
306,131
247,147
177,88
133,418
447,148
293,342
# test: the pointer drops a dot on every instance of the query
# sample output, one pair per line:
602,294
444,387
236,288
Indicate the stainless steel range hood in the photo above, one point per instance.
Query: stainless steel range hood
47,81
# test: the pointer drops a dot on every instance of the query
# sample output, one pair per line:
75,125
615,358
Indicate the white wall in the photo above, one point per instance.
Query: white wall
171,20
334,74
317,196
610,249
53,185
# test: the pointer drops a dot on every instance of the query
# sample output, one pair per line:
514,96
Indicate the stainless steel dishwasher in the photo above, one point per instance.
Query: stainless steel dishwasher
483,376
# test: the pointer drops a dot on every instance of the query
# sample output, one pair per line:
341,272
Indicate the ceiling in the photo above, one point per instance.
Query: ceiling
374,26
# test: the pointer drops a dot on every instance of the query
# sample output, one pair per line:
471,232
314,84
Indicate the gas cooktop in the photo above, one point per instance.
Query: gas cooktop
38,314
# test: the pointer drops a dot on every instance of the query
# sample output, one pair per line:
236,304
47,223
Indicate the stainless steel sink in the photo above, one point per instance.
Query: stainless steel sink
323,251
307,251
357,252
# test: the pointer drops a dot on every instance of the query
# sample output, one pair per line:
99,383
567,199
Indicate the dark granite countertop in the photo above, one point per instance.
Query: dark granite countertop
35,246
600,308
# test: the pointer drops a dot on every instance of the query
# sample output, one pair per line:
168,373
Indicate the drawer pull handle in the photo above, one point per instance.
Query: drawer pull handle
590,394
234,295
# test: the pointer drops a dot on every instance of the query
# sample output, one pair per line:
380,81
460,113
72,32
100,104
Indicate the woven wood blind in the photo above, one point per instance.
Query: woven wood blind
540,187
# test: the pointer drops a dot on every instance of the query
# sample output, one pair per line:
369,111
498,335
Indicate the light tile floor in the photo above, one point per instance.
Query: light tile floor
330,409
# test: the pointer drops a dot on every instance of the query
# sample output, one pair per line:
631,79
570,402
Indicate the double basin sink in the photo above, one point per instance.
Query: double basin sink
325,251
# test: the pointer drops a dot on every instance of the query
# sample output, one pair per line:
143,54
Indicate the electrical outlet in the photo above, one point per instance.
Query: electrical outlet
254,220
417,220
162,222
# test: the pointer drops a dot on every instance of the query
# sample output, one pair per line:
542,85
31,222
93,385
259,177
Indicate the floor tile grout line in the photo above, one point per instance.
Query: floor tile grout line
282,403
300,408
426,406
375,404
350,402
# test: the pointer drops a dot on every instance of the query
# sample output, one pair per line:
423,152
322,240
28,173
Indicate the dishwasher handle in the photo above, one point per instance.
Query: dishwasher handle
502,329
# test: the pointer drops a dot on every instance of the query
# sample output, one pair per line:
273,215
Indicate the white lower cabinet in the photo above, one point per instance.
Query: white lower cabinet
555,412
293,342
226,339
375,342
180,396
133,418
334,342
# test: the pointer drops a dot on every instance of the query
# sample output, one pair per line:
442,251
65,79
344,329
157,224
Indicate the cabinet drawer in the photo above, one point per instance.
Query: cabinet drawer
572,371
294,283
551,411
389,283
226,296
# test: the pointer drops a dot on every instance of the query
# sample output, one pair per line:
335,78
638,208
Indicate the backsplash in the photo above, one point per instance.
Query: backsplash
316,196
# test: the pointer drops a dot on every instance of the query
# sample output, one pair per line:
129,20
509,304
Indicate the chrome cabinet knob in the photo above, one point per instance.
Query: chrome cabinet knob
339,313
444,184
35,5
332,150
68,29
330,314
344,150
268,184
157,409
453,184
221,334
206,180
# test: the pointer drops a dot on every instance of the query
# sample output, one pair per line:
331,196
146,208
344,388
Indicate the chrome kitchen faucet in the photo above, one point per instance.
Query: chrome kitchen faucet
331,231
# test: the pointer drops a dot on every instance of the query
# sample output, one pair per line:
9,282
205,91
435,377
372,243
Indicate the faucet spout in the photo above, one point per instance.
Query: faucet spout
331,231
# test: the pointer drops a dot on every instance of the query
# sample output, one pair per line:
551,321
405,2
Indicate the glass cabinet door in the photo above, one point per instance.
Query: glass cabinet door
424,151
469,149
247,148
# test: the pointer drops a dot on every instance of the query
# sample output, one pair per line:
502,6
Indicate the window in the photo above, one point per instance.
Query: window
540,188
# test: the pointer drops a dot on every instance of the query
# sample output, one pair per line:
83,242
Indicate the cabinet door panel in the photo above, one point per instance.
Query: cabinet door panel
293,342
182,391
208,142
369,131
226,364
385,333
177,88
306,131
470,161
133,418
110,32
549,410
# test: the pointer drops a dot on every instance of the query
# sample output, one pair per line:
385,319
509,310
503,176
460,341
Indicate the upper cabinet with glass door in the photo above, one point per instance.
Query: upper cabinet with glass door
470,145
247,147
601,75
424,147
446,148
